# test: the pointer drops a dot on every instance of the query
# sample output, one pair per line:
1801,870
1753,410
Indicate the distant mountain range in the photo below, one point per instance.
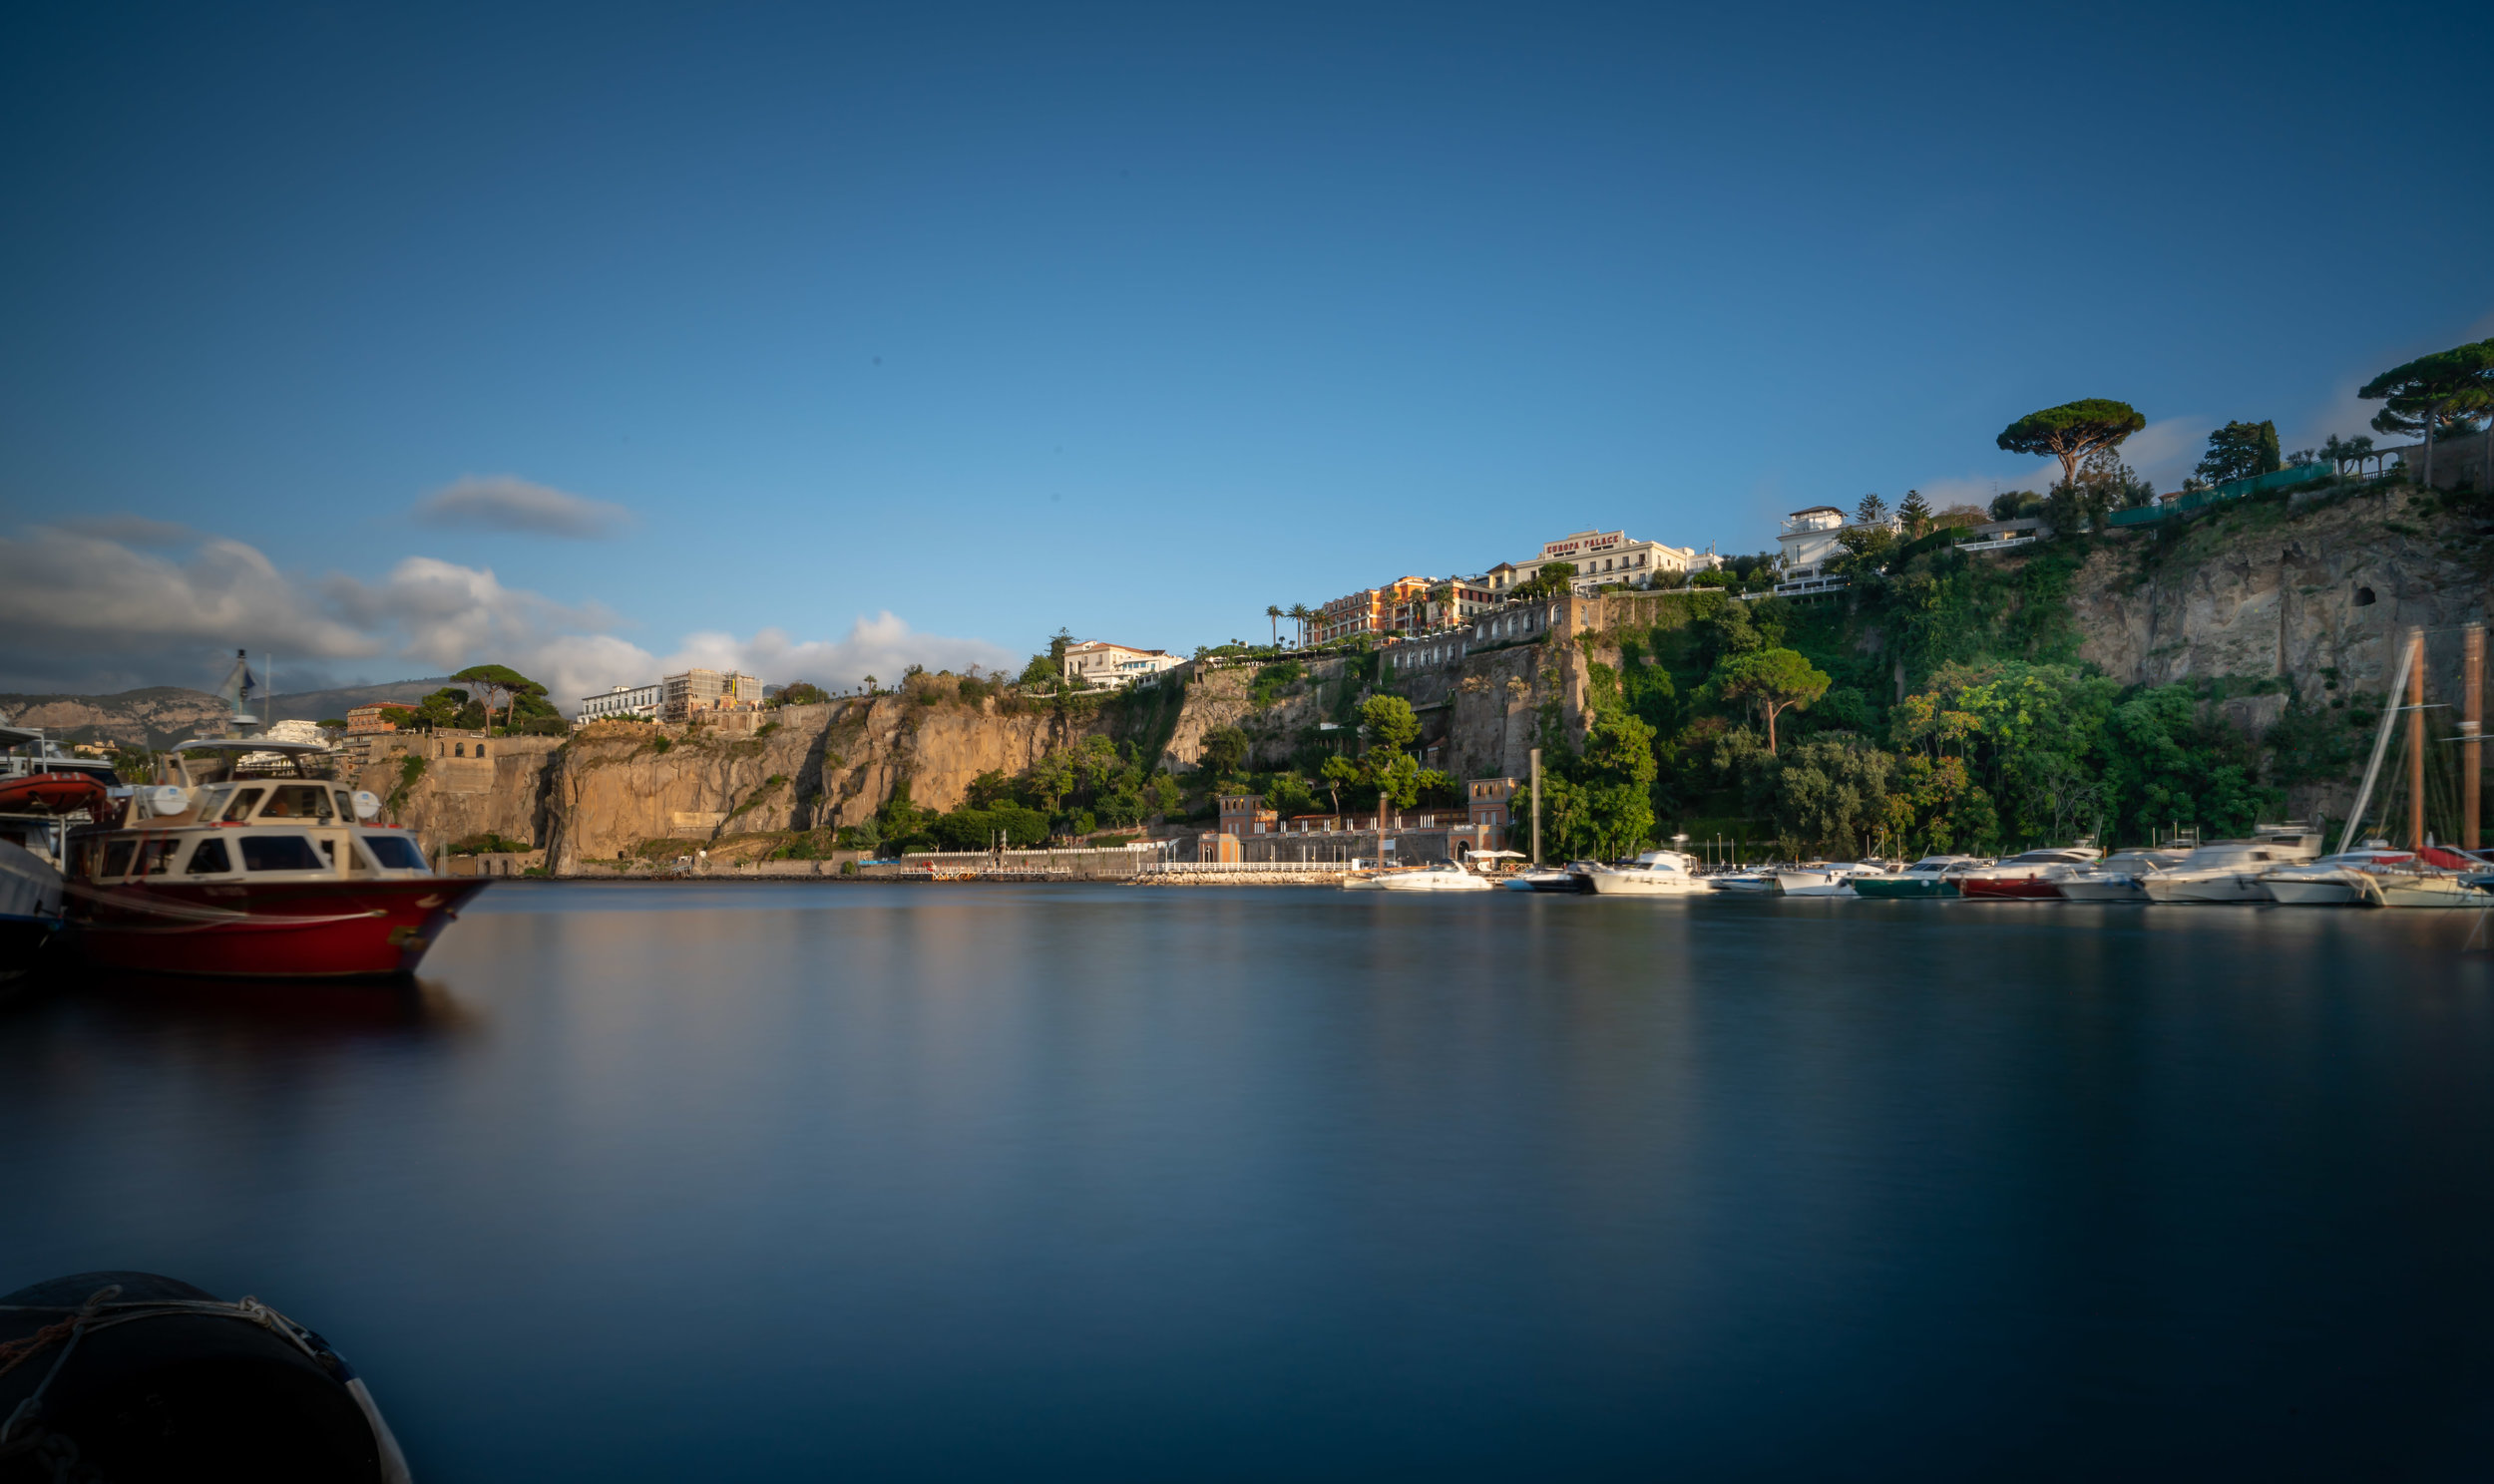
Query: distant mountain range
161,715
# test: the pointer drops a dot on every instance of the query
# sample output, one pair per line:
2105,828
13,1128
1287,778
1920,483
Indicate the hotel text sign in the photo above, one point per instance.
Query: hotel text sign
1591,541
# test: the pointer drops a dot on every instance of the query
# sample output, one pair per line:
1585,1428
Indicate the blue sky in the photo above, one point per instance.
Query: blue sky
870,335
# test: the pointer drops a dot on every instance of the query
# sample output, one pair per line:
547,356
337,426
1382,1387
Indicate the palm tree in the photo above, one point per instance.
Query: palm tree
1273,621
1301,613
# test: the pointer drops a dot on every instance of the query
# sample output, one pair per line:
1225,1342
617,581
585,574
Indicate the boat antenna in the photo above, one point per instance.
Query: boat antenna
237,689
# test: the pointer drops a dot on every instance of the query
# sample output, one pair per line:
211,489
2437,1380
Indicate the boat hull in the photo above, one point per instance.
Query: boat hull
290,930
1437,881
2011,889
2428,892
2229,888
2123,890
1904,888
2314,891
1647,884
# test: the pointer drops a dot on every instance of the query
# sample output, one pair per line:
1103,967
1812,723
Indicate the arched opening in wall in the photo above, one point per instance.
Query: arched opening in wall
2363,597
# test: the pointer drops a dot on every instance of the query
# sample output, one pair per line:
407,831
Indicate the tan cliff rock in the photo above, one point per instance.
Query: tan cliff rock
2307,596
2252,594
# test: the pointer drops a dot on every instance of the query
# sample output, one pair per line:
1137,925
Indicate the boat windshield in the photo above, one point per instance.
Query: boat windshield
394,852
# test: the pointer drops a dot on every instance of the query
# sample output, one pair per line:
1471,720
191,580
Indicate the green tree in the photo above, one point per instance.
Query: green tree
498,680
2072,431
2433,392
1390,722
1554,580
802,693
2341,452
1773,680
2241,450
1831,793
1915,511
1273,622
1224,751
1339,773
442,708
1872,511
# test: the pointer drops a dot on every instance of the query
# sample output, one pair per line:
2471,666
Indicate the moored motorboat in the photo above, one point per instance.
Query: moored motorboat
1660,873
2229,871
1547,879
1933,877
1756,883
2032,876
1445,876
1825,877
42,793
2117,877
268,876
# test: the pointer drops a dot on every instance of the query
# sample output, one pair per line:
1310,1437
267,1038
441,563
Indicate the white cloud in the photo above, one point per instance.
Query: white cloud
89,615
881,646
131,530
503,502
77,606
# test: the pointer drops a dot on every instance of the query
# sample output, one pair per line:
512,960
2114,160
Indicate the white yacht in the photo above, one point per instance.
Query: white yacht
1660,873
2117,877
2231,870
2375,876
1757,881
1445,876
1825,877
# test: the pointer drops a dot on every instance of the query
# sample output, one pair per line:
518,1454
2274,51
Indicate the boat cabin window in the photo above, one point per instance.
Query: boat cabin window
299,800
346,805
243,803
156,855
117,857
395,852
278,853
209,858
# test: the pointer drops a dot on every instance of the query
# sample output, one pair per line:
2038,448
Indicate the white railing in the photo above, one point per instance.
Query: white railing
1246,868
1997,543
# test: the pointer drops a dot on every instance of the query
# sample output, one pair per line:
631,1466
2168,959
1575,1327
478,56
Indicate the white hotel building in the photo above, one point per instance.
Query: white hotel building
1101,664
1602,558
624,700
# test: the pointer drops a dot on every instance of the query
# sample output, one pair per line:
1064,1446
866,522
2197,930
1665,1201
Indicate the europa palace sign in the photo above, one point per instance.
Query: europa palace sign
1584,541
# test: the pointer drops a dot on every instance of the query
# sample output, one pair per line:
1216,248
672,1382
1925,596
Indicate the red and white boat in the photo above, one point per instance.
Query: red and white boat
2033,876
254,866
43,793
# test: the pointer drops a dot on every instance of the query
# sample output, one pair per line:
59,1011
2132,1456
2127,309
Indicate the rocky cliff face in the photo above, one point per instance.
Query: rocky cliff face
457,797
155,717
802,767
2306,596
2312,596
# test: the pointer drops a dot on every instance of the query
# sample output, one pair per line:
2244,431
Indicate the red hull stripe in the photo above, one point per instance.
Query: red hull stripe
311,929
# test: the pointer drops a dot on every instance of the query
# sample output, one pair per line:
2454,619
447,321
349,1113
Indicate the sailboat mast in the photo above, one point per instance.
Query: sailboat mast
2416,739
2472,726
2380,746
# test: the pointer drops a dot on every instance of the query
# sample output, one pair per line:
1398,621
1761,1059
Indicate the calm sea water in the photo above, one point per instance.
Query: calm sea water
747,1182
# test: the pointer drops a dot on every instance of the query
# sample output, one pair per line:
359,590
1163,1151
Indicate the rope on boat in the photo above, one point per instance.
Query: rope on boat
22,1431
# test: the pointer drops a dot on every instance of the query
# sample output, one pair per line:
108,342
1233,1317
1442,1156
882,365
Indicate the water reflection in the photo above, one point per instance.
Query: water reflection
918,1183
